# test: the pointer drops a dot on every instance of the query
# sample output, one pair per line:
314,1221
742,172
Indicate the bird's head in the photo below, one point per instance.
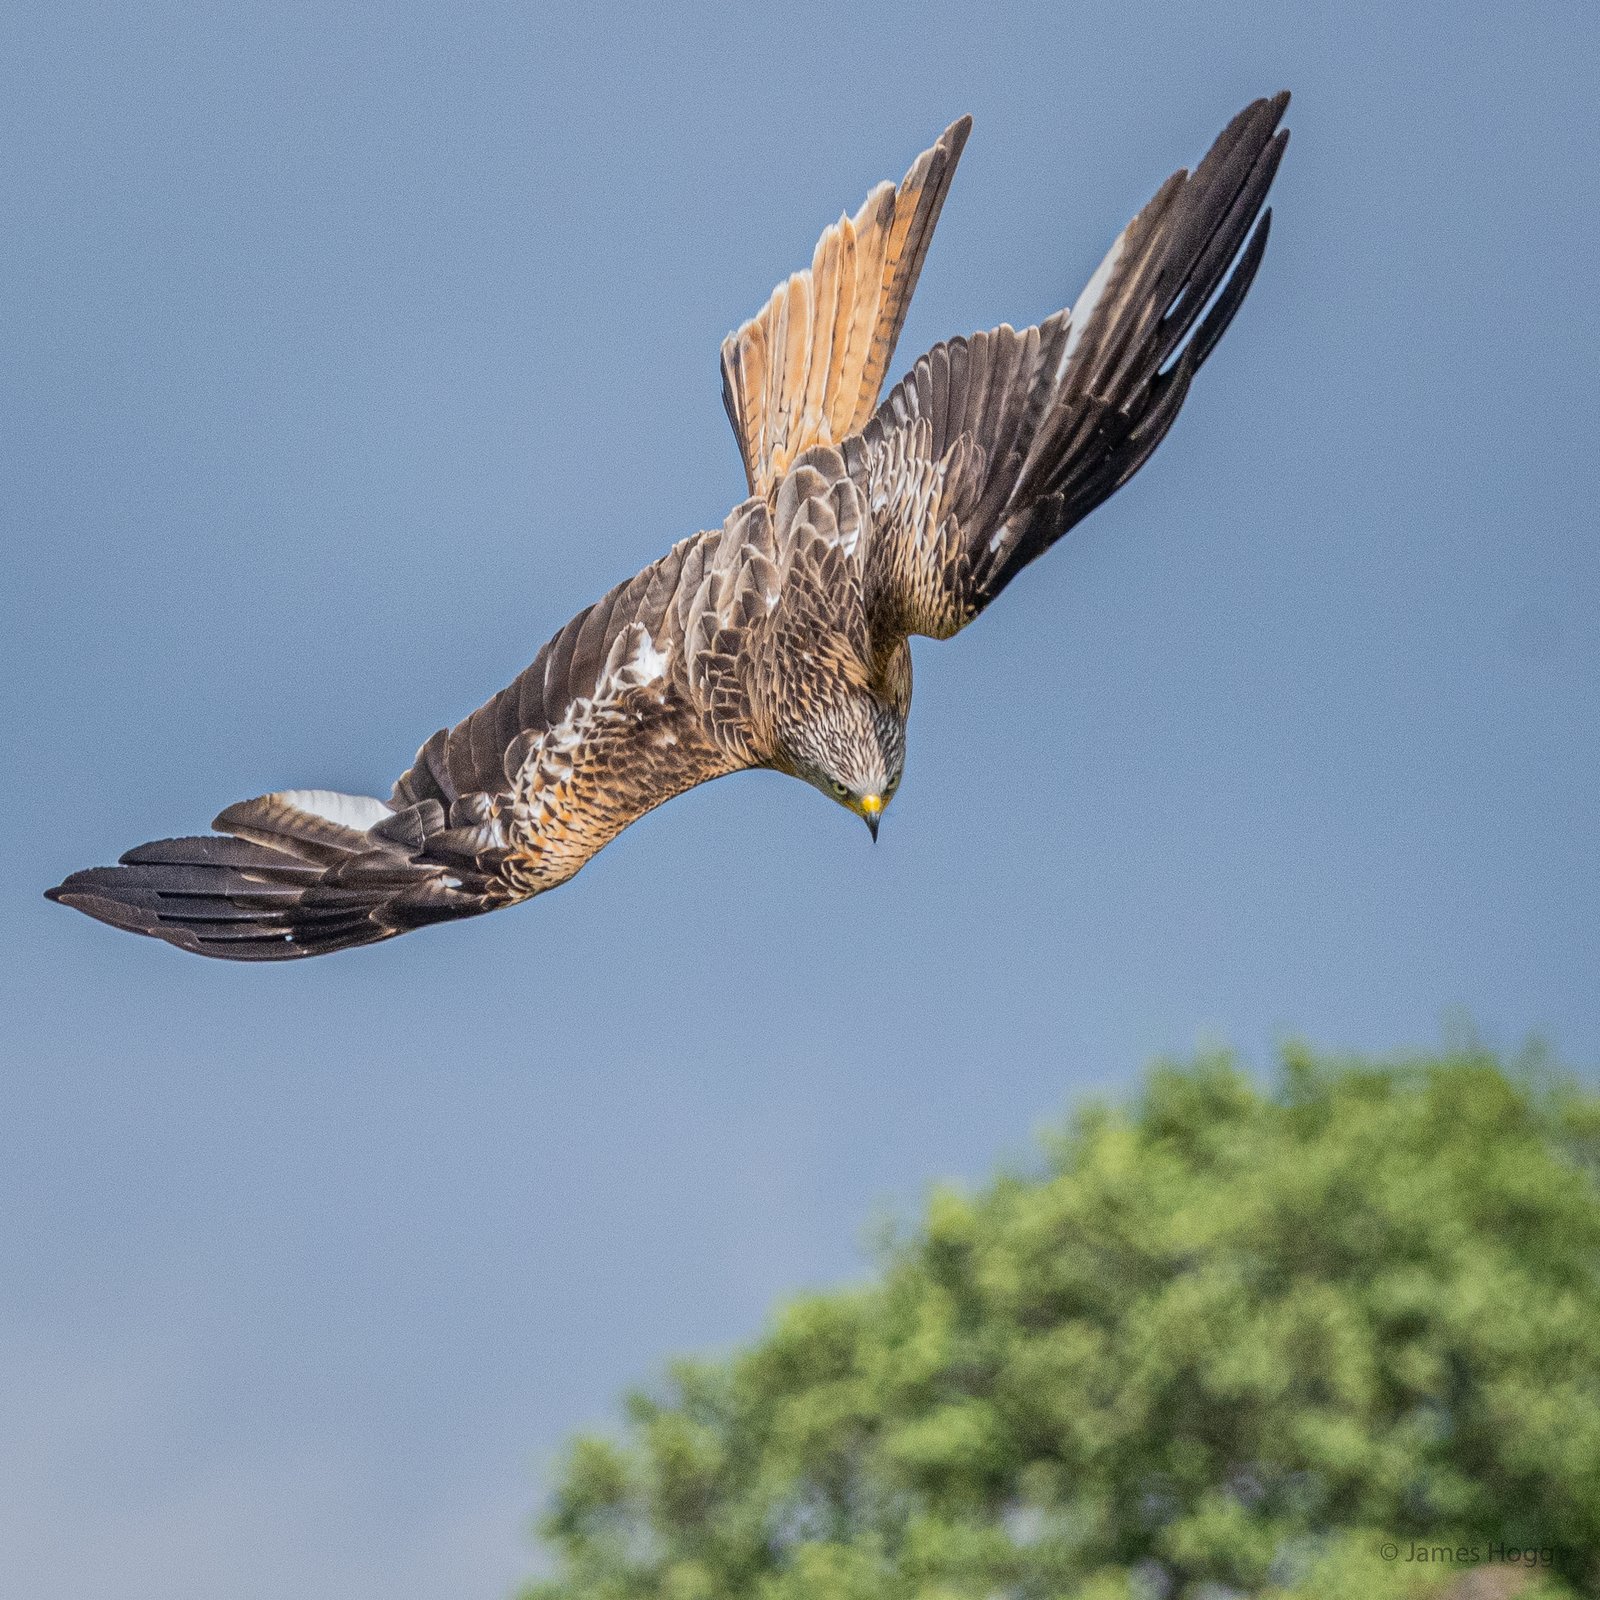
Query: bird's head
854,751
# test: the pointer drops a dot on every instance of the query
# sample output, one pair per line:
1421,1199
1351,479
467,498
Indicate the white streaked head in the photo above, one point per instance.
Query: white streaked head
854,750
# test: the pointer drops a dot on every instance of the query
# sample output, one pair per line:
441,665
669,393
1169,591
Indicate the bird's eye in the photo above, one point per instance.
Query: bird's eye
841,789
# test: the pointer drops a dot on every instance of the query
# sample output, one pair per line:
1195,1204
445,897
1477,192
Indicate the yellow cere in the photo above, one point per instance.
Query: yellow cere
872,804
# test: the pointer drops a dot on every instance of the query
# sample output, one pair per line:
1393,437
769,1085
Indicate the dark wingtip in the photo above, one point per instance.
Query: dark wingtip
67,892
1277,104
111,910
1256,121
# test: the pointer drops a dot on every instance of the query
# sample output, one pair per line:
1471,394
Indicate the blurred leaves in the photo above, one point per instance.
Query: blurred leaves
1224,1341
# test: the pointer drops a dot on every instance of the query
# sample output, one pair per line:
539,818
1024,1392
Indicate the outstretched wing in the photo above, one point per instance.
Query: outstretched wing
614,717
638,698
993,446
808,368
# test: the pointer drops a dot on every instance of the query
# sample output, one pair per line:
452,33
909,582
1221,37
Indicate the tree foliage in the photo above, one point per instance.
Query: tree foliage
1224,1341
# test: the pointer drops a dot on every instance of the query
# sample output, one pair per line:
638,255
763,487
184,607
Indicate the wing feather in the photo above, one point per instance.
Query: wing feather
994,445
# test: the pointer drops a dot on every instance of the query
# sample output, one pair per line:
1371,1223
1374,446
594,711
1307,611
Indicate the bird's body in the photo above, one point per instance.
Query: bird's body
779,640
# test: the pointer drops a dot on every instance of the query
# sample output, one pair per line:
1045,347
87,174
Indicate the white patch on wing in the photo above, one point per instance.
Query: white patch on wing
1084,306
647,663
358,811
568,733
541,786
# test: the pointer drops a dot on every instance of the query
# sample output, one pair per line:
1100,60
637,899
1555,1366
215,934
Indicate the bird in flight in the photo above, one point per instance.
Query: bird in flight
780,639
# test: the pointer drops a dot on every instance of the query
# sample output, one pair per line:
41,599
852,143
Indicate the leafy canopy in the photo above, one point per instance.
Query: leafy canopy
1226,1341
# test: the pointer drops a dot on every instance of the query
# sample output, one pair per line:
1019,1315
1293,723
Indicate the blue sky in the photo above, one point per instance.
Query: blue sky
352,349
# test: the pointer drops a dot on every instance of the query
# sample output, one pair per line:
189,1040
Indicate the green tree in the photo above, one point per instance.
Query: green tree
1225,1341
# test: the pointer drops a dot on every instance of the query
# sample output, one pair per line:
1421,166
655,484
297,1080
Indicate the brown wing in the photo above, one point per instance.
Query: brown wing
808,368
638,698
993,446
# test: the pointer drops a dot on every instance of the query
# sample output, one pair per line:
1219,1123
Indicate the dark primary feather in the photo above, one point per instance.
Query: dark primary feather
1054,419
244,899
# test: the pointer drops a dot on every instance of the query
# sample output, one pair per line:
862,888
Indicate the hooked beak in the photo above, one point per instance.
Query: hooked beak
871,812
